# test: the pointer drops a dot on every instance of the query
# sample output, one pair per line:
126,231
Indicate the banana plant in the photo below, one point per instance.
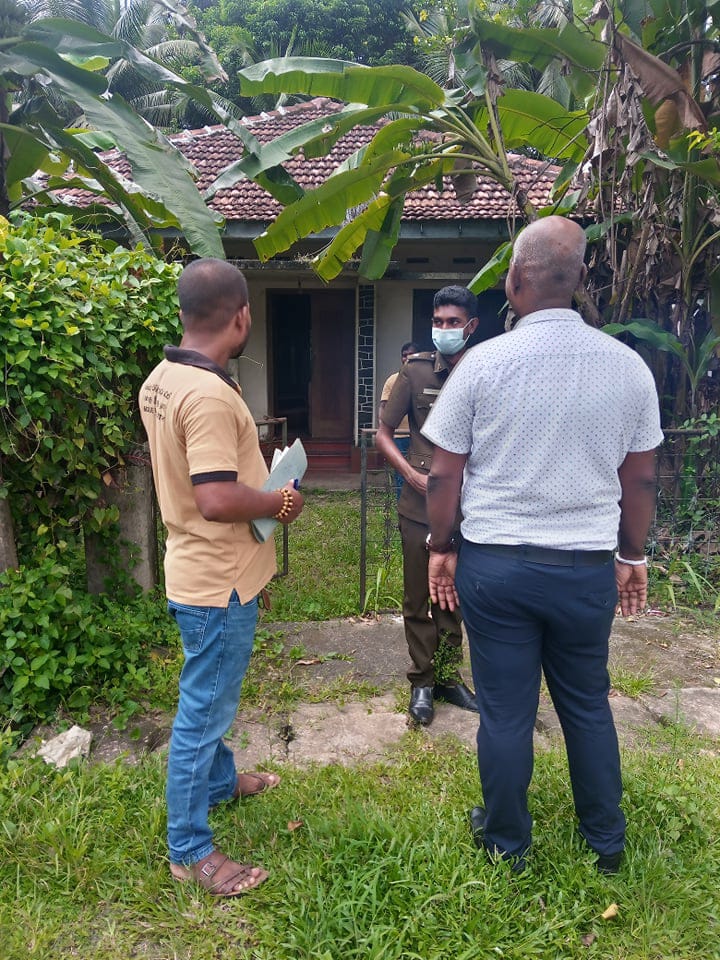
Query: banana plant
428,132
643,73
695,358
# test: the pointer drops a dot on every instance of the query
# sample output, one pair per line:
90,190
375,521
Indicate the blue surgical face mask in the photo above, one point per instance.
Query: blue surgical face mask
449,342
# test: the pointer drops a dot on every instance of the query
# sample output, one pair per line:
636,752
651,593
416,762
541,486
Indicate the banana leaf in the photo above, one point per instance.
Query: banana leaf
540,46
342,80
327,205
531,119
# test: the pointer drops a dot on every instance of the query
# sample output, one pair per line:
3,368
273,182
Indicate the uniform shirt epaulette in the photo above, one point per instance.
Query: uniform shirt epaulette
428,355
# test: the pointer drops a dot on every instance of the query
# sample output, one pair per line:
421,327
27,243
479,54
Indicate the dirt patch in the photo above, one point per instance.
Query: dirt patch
667,649
666,653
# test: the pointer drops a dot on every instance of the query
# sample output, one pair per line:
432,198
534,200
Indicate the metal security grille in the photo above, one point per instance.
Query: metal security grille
688,509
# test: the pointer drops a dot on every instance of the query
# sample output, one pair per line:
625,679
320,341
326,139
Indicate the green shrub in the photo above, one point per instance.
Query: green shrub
82,320
61,646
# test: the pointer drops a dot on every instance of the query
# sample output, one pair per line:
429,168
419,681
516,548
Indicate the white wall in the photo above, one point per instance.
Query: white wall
393,328
252,377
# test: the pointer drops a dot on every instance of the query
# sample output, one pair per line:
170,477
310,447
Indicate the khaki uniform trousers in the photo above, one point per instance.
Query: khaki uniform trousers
423,630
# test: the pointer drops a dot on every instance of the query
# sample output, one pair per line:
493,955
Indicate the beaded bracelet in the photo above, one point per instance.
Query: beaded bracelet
287,505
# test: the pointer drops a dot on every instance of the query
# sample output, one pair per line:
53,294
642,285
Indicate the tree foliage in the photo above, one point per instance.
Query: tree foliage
359,30
247,31
160,29
638,153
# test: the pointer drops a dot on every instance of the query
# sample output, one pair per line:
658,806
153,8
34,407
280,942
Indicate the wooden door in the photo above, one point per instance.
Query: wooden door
289,367
332,380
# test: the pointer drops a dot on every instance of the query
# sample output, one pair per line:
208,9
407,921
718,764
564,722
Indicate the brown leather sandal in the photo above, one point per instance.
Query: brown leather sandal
220,876
260,782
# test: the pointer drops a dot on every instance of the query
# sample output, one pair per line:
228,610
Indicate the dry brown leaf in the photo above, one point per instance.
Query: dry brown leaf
295,824
612,911
107,478
667,123
307,663
588,939
660,82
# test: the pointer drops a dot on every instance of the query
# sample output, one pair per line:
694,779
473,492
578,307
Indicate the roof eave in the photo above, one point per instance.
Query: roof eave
489,229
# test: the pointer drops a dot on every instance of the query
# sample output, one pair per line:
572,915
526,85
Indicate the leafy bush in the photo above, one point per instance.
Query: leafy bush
61,646
82,320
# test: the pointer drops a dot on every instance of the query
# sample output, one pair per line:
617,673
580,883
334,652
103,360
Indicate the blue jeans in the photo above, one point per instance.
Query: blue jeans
217,642
522,618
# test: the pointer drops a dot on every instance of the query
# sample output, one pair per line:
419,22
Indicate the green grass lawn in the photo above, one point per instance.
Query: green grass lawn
324,558
382,866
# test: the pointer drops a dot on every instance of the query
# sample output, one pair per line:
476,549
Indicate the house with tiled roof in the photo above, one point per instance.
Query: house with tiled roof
322,351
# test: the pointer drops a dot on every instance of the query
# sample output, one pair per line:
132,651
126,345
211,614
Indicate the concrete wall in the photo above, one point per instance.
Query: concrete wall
253,376
393,304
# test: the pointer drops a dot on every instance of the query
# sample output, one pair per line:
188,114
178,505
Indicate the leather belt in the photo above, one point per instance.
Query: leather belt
553,558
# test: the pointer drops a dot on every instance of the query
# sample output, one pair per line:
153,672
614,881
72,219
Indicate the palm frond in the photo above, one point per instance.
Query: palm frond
175,52
553,84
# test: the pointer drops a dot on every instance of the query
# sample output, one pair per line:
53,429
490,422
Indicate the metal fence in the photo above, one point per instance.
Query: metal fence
688,507
687,520
380,556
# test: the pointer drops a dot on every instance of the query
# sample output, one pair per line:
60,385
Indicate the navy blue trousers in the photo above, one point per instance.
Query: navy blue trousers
522,618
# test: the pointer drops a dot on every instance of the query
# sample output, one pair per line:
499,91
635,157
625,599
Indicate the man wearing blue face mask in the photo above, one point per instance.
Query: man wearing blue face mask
434,636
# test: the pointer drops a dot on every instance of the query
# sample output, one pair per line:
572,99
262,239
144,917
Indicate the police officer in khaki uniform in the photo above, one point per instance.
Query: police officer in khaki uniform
418,383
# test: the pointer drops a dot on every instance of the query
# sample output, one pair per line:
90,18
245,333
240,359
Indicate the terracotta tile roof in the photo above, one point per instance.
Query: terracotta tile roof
213,148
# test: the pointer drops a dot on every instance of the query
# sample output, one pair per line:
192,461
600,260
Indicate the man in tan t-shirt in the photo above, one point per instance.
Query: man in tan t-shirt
208,472
401,439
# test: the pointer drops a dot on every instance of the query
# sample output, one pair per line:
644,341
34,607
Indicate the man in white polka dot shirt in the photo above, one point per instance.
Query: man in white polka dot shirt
548,435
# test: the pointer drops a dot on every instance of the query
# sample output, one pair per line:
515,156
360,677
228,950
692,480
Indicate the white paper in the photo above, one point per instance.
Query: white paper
287,465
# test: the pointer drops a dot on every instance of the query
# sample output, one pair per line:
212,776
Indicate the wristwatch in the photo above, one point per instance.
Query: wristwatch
447,547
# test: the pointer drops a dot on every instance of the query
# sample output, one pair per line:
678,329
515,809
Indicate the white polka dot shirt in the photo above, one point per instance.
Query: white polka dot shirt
546,414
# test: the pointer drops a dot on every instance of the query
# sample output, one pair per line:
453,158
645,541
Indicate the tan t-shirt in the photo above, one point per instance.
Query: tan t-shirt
403,427
199,426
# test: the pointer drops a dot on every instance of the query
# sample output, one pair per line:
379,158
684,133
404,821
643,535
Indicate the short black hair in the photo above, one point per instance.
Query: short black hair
409,347
210,292
456,296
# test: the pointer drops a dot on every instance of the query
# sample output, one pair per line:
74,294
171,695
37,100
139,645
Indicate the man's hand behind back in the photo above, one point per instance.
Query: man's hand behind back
441,580
632,587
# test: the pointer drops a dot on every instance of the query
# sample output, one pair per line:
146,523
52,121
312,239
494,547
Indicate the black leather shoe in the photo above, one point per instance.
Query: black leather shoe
477,825
457,694
609,862
477,818
421,705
